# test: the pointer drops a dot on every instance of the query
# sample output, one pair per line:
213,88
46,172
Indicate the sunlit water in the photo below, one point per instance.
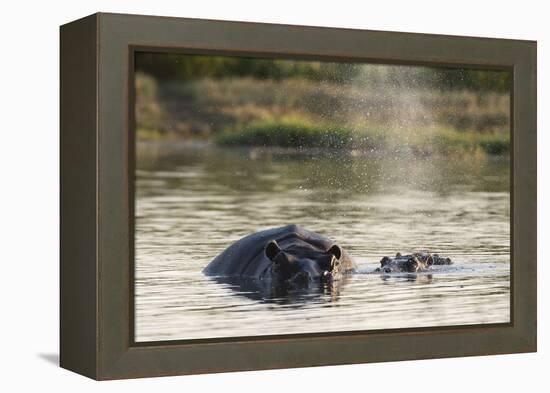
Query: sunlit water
192,202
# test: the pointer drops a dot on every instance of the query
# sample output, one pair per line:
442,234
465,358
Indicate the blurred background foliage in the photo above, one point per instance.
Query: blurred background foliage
176,67
311,104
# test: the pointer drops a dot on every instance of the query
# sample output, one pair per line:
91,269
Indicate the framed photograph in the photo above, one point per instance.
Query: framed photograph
242,196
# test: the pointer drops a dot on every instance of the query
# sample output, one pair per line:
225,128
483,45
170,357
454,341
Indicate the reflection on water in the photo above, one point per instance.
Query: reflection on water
269,292
192,202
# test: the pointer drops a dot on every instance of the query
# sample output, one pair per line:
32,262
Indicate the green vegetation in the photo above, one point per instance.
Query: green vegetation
296,135
305,104
190,67
449,141
177,67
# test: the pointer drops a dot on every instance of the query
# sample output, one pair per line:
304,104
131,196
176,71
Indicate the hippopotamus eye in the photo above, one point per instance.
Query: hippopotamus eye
281,262
384,261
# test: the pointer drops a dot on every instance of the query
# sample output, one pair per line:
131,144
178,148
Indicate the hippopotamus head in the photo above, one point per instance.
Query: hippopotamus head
301,265
411,263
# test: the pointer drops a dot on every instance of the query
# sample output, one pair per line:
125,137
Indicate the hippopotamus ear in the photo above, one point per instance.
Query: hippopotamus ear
272,249
430,260
335,250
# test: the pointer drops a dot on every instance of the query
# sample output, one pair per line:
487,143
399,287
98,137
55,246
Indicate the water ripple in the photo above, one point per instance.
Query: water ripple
191,204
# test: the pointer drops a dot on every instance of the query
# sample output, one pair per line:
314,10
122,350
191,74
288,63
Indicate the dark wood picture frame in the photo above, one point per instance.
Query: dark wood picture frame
97,170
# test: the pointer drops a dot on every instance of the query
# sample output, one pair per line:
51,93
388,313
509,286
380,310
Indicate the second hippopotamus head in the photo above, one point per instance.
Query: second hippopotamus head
298,263
411,263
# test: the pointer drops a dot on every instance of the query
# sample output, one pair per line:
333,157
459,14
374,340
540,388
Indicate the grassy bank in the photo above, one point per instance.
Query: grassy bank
293,134
450,141
307,114
301,135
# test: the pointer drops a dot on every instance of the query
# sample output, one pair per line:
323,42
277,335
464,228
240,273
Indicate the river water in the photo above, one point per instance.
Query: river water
192,201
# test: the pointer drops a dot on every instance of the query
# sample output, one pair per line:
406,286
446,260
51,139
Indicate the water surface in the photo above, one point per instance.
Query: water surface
194,201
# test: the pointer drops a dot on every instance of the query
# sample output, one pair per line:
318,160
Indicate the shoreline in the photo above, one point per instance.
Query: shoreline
177,144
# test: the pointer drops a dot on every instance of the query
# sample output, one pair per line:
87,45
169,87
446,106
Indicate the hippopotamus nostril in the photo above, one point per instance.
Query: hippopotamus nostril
387,270
301,276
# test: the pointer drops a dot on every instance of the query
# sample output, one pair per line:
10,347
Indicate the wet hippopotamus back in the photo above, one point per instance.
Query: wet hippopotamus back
285,251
